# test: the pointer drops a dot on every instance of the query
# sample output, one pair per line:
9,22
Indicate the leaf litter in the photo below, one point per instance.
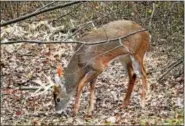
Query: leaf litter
23,63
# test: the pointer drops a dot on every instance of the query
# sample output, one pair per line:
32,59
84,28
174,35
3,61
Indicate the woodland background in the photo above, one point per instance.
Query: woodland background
23,62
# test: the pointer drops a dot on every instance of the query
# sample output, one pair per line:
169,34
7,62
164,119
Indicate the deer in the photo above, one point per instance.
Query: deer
91,59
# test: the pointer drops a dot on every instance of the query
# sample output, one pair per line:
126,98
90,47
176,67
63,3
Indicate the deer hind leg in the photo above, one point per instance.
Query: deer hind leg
144,88
140,67
132,78
87,78
92,97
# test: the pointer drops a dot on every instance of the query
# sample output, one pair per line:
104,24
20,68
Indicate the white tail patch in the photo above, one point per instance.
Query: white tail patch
150,37
136,66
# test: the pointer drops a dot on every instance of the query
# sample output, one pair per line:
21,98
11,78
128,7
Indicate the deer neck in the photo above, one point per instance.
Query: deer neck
72,75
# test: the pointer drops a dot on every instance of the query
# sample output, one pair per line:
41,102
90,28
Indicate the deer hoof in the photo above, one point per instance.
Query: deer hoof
88,116
143,103
74,114
125,104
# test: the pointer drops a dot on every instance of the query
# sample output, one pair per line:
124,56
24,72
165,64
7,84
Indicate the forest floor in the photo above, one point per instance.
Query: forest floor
24,62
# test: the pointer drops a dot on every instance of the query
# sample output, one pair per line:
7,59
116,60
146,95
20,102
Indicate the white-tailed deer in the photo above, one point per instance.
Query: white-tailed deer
89,61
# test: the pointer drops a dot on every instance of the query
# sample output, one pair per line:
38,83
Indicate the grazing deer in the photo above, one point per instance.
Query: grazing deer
89,61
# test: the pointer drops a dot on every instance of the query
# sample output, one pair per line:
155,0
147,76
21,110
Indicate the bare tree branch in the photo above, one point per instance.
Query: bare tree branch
38,12
72,42
171,67
82,26
39,9
150,23
67,13
30,88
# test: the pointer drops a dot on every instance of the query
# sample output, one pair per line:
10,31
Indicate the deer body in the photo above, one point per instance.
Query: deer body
89,61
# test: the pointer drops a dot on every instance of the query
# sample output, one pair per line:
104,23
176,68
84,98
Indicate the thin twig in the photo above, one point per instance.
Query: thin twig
30,88
39,9
174,65
81,26
171,65
150,23
67,13
72,42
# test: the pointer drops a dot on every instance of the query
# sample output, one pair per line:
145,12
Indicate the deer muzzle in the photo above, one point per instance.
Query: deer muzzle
61,104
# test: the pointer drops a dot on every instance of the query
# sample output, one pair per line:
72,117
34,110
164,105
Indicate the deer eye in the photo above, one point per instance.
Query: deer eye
57,99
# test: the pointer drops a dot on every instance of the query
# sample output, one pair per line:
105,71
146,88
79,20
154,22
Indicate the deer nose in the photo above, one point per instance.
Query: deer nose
59,111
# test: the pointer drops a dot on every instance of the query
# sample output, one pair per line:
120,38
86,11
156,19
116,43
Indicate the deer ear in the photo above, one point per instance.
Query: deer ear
59,83
60,70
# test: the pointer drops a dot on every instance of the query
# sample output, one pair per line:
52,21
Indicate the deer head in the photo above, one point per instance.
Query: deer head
66,82
61,98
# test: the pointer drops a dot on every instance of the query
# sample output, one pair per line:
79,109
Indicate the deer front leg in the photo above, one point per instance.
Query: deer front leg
87,78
